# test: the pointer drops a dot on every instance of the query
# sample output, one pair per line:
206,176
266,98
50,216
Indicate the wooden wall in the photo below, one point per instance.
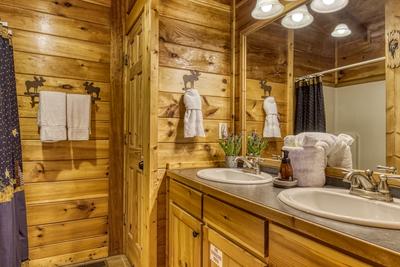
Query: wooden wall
194,35
68,43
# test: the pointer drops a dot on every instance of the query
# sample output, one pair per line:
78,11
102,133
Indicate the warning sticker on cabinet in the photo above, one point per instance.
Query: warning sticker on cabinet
216,255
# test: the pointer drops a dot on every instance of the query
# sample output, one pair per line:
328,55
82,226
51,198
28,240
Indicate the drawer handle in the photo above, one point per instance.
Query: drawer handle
195,234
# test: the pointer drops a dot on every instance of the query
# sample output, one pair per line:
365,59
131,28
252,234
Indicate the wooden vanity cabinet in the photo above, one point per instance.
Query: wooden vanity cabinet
185,238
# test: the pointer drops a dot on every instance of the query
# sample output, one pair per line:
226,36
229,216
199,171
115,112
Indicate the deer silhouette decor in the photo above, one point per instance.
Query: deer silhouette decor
92,90
266,88
190,78
35,84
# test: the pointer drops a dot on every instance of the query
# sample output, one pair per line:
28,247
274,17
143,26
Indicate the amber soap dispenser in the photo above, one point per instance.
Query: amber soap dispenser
285,178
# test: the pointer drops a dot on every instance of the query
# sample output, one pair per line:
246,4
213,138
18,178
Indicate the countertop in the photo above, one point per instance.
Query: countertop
266,196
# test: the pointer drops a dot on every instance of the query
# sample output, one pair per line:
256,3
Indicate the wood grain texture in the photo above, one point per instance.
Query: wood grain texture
71,258
67,211
37,193
186,198
67,247
35,150
193,35
24,19
52,233
116,182
178,56
196,13
36,64
45,44
65,170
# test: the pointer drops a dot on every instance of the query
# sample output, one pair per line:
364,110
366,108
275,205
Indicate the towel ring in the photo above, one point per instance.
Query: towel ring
266,88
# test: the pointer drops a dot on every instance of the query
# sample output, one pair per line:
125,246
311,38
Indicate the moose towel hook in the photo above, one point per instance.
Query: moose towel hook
92,90
190,78
35,84
266,88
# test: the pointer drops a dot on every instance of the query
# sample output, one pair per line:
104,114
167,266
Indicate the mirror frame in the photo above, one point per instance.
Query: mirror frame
390,89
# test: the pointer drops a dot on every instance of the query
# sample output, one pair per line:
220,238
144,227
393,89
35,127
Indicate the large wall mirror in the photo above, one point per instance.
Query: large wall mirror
334,66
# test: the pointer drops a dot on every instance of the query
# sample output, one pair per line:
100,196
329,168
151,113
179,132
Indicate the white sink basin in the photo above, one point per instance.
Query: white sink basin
233,176
338,204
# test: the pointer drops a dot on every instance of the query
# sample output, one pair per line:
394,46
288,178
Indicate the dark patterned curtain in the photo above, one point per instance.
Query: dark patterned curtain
310,109
13,228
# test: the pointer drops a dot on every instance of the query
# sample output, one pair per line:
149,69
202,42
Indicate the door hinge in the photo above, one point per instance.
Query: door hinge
126,60
126,139
124,219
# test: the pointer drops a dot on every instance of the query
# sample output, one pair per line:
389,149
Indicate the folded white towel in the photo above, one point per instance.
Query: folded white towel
271,126
308,165
337,148
52,116
193,120
78,116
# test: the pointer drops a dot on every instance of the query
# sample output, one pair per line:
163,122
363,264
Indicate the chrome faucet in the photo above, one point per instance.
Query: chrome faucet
364,185
252,164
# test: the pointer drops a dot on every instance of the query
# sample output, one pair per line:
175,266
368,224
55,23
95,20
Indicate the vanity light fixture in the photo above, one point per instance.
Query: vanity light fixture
328,6
341,30
266,9
298,18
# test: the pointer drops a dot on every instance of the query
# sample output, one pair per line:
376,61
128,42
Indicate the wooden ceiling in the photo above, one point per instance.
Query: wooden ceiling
316,50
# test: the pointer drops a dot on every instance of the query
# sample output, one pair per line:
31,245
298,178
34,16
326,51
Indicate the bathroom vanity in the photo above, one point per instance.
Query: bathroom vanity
219,224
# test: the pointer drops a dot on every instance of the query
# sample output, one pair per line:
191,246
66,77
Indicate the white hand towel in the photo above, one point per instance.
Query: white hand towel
193,121
52,116
78,116
271,127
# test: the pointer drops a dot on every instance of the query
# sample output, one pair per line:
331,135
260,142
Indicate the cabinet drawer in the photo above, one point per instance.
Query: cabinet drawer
288,248
186,198
217,251
246,229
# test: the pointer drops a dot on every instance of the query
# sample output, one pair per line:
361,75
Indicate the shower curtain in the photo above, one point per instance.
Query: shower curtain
310,109
13,227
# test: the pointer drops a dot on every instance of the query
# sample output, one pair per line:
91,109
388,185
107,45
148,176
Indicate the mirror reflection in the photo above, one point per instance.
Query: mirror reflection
321,72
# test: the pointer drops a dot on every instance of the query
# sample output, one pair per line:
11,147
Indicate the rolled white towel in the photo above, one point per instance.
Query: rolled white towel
193,120
271,126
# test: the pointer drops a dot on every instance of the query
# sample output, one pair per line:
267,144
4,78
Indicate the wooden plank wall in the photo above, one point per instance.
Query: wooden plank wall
68,43
194,35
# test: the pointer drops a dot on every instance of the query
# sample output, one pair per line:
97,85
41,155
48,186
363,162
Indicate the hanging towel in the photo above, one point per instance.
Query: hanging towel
193,121
271,127
52,116
78,116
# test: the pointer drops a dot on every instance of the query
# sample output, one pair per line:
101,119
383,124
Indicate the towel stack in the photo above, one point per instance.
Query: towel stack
61,116
311,153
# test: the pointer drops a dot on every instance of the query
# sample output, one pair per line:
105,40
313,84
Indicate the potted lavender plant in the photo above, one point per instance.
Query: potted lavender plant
231,146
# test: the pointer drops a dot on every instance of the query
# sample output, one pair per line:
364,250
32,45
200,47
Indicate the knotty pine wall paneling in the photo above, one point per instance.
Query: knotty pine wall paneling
194,35
67,183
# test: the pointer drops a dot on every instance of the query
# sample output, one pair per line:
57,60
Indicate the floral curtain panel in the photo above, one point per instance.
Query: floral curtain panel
13,228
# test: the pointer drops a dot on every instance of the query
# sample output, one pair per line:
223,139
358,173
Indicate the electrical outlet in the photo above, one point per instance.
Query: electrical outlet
223,130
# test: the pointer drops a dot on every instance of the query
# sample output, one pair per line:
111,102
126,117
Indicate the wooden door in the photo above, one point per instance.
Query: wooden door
134,184
218,251
185,235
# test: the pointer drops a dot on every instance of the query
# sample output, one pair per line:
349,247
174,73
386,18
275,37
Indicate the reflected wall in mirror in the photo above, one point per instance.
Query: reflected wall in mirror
320,82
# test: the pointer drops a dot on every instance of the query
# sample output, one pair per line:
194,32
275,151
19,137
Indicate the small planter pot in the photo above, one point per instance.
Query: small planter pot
230,162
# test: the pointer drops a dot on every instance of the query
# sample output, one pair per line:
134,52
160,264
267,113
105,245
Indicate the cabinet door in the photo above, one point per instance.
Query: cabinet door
221,252
289,249
185,235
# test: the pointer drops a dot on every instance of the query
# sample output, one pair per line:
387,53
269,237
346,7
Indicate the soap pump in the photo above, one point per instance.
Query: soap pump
285,178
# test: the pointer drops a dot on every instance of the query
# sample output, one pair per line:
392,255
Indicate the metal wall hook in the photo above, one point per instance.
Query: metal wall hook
191,78
266,88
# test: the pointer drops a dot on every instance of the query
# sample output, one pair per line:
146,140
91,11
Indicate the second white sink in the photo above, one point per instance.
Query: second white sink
339,205
233,176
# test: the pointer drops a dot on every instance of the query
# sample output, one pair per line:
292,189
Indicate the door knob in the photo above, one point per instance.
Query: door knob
195,234
141,165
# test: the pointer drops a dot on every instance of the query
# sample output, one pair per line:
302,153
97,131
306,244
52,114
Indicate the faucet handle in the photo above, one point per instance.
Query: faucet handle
388,169
369,173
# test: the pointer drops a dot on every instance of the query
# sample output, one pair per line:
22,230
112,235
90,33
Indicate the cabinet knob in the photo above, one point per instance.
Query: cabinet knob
195,234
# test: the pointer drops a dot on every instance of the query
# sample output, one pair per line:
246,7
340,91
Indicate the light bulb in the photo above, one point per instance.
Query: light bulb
328,2
341,31
266,7
297,17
